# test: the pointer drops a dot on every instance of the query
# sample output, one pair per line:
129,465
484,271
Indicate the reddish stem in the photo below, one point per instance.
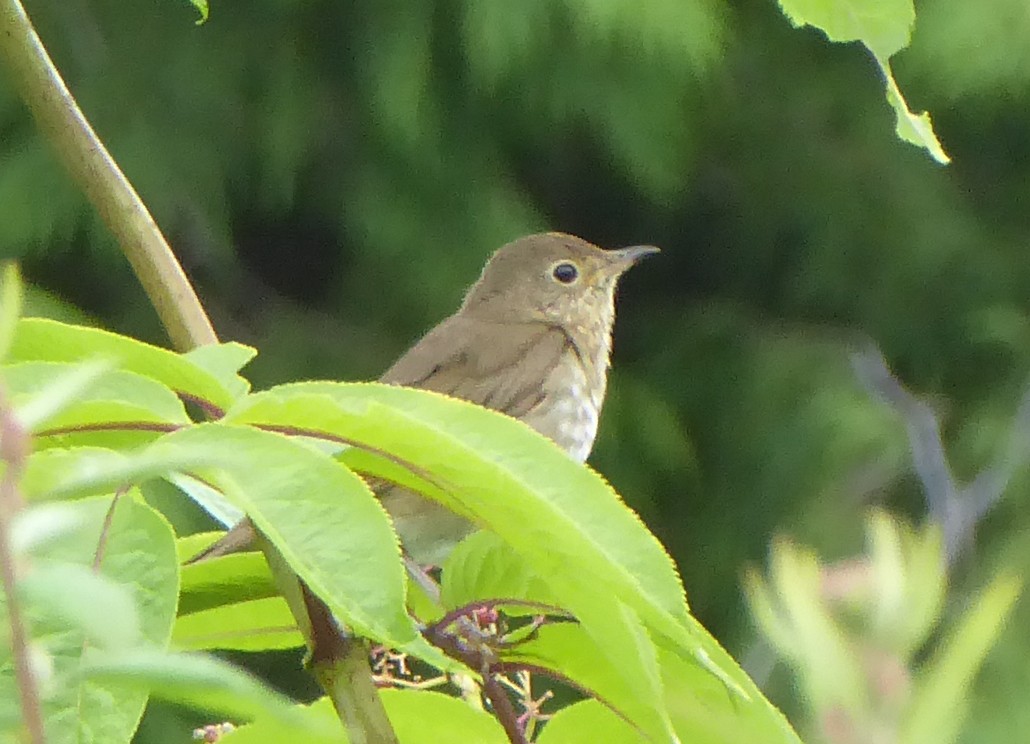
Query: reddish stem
14,449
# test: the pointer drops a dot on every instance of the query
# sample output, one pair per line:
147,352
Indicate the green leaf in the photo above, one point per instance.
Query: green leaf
772,621
231,578
10,305
54,395
188,546
792,614
626,678
75,472
889,572
34,378
224,361
86,471
941,692
909,579
422,605
610,656
512,480
417,718
562,517
138,557
101,610
321,517
209,499
430,718
201,682
882,25
255,625
915,129
589,722
38,339
201,6
697,704
35,528
482,567
695,701
318,714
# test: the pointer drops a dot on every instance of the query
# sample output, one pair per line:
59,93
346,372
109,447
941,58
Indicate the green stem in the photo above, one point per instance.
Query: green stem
338,660
84,155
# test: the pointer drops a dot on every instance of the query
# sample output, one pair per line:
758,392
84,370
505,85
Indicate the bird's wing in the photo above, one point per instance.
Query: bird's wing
498,365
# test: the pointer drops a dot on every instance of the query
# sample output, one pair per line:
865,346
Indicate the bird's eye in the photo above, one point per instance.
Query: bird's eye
565,272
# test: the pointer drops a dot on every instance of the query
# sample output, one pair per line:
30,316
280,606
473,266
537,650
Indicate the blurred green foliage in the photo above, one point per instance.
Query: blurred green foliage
854,633
333,174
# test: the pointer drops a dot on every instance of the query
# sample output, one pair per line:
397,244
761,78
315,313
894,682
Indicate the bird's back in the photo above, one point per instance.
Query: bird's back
530,371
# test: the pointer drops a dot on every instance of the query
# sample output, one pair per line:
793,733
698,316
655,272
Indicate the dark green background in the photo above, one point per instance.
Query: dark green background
333,174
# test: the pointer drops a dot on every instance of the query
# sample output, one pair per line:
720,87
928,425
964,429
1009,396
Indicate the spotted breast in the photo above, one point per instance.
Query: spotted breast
570,407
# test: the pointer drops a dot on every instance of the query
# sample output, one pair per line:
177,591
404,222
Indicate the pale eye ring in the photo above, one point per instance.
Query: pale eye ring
565,272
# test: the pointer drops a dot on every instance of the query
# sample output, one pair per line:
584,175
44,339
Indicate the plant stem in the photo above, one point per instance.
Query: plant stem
13,450
84,155
338,661
503,709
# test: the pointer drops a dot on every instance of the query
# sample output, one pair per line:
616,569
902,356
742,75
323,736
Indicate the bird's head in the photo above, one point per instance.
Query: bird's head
551,277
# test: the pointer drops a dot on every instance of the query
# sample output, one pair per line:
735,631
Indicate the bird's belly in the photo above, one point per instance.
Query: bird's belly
568,415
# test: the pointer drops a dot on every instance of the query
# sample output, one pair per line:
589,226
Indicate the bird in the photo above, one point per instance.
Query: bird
532,339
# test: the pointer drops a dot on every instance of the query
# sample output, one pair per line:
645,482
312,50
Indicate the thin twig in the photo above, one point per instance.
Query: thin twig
956,508
514,667
466,610
14,450
63,124
481,657
423,579
521,684
924,432
503,709
105,529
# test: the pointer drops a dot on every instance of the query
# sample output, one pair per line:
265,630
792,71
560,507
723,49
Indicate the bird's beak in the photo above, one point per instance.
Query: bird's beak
623,258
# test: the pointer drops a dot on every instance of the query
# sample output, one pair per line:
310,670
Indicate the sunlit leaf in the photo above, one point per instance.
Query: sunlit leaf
884,27
90,397
322,518
38,339
416,717
911,127
103,611
255,625
941,692
224,580
134,594
567,523
224,361
201,682
629,688
589,722
794,615
483,567
201,6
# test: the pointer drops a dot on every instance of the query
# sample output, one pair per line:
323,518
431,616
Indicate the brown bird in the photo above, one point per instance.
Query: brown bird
533,340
